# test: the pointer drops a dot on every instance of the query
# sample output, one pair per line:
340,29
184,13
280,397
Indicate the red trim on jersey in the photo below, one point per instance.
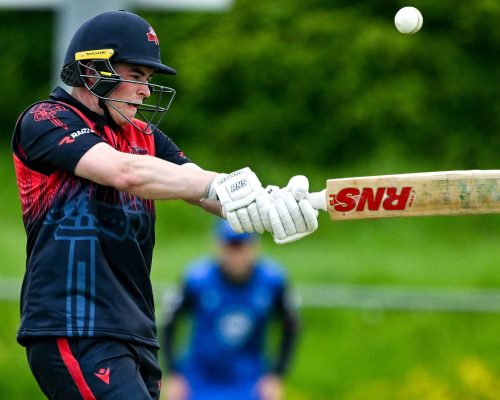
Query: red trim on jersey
36,190
74,369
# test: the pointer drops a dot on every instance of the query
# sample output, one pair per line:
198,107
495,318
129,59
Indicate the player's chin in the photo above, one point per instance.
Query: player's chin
128,113
123,118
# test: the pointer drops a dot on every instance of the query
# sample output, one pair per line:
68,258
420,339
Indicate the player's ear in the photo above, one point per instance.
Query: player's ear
86,68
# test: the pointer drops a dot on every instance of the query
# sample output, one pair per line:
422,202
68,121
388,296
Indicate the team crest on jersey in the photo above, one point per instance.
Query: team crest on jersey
235,326
152,37
48,111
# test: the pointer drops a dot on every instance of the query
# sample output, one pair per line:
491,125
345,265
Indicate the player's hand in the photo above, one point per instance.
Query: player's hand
177,388
270,387
237,193
292,216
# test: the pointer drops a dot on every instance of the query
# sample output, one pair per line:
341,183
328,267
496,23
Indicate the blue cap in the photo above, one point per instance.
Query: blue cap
130,36
226,234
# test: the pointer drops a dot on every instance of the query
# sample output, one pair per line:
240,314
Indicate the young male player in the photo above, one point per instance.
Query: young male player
88,172
231,299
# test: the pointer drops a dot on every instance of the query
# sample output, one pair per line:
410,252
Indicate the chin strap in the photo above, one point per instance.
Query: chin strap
104,107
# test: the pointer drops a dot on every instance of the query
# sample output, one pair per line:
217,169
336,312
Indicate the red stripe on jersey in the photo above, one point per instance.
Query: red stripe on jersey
36,190
74,369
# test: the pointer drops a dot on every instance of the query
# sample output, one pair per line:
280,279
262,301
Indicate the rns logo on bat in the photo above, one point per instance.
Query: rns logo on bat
381,198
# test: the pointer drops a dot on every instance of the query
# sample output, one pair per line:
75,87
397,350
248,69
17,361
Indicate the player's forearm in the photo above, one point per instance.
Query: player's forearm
153,178
210,206
143,175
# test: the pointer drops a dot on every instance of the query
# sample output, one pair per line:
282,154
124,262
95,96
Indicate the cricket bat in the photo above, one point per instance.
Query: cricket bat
411,195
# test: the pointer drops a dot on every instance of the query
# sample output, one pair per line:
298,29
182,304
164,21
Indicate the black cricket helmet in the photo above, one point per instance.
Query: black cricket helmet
113,37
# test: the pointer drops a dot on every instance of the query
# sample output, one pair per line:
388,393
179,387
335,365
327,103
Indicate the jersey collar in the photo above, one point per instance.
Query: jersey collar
59,94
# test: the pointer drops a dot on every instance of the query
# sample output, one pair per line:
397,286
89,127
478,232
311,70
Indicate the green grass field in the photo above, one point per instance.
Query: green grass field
353,355
342,354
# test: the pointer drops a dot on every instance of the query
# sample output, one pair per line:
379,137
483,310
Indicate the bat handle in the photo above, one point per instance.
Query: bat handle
318,200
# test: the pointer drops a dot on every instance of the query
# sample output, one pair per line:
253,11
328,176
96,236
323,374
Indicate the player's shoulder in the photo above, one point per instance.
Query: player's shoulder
270,270
48,109
48,115
167,149
160,136
199,270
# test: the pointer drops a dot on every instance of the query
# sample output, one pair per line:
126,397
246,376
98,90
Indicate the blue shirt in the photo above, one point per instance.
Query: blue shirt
226,354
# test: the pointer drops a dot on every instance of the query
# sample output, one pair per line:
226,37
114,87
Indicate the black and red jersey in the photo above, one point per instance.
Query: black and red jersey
89,246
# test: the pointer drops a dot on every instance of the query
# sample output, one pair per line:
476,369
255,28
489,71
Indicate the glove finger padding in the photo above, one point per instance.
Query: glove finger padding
310,215
234,221
245,220
278,230
290,239
285,215
254,214
263,203
298,185
295,213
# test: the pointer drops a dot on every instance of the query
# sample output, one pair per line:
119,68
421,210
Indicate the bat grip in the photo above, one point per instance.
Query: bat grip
318,200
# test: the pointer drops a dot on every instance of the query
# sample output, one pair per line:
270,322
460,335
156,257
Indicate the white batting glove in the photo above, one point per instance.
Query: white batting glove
292,216
237,193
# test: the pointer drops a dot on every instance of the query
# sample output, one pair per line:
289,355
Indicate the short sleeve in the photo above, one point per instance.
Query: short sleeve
51,136
167,150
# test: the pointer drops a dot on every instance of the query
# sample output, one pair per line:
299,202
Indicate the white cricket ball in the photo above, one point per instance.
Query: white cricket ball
408,20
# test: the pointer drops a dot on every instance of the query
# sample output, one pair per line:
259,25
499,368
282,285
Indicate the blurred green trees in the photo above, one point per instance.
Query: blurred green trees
25,56
333,82
330,83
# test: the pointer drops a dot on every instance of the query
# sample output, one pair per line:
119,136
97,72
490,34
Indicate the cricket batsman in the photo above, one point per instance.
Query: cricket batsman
90,164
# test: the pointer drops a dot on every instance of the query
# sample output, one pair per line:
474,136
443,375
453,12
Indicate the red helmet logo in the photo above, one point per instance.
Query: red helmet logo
152,36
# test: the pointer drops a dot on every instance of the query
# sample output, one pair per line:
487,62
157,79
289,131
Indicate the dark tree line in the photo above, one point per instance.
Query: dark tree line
299,82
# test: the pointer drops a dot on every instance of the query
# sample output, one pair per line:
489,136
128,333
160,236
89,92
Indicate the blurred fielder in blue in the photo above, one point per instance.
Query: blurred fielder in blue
231,299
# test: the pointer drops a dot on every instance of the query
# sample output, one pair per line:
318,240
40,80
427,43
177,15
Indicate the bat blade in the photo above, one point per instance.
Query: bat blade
410,195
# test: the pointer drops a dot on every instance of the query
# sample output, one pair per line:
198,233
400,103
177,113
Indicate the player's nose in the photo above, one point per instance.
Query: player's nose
144,91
